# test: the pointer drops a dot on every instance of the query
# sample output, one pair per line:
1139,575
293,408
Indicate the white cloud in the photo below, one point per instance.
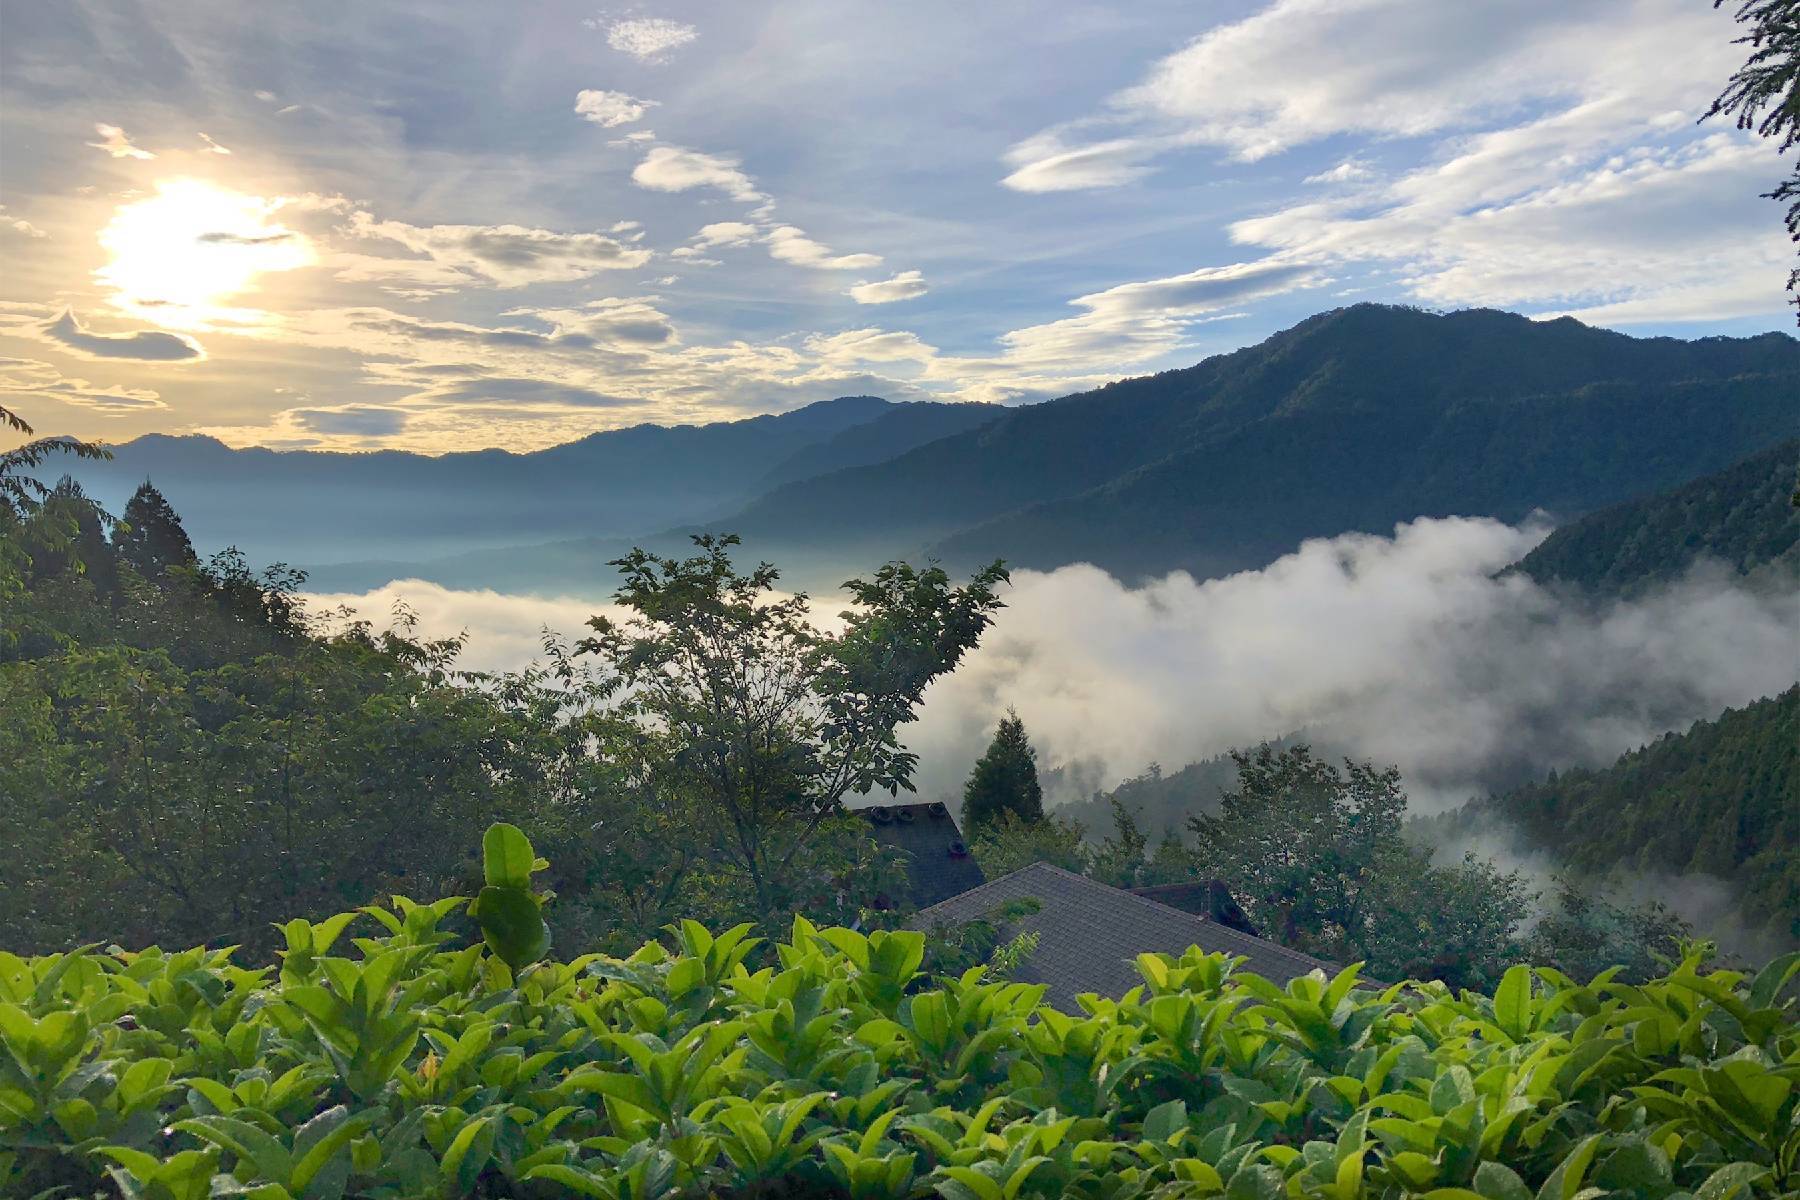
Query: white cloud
504,630
1302,70
790,244
649,38
1403,649
610,109
1135,322
724,233
1638,236
1558,176
904,285
871,345
507,255
115,143
1349,171
39,380
213,147
19,224
1047,163
673,169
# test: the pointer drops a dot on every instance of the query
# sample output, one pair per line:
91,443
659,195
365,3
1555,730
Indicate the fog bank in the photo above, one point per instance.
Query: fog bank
1402,649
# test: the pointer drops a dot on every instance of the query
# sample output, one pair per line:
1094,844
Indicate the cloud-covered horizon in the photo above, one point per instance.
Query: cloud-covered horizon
1403,649
1032,203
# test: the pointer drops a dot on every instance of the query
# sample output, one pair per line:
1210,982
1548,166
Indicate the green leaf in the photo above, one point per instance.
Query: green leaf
1495,1181
1166,1122
506,857
1727,1182
1512,1001
512,925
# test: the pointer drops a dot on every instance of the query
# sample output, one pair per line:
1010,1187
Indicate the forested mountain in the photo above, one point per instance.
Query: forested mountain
1354,419
1722,798
306,506
1743,517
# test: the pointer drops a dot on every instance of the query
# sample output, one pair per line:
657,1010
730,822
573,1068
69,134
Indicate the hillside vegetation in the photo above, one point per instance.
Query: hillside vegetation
1722,798
439,1054
1352,420
1743,517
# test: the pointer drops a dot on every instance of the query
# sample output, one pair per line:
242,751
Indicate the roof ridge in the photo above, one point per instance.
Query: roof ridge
1229,934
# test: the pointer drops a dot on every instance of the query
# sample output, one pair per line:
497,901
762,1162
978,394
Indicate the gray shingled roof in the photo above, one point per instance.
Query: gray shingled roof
1089,934
939,864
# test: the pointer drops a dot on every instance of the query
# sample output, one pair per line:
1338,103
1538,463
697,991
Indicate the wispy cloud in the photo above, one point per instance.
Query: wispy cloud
114,142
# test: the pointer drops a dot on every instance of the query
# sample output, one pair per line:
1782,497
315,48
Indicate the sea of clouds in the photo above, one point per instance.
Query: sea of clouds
1404,649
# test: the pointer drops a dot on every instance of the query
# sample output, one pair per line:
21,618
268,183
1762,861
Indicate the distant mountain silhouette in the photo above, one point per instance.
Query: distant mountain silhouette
311,505
1352,420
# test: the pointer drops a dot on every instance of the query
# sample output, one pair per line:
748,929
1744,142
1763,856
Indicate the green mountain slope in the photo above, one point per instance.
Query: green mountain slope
1722,798
1743,516
1246,499
1353,419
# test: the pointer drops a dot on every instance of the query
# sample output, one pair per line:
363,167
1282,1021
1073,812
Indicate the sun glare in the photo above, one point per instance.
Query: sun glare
177,256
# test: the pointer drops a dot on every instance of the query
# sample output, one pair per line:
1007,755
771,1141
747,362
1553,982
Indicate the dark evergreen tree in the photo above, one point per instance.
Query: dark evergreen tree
1764,95
76,541
1005,780
150,537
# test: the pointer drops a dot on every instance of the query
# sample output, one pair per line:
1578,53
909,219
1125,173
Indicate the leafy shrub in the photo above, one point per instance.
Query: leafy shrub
418,1062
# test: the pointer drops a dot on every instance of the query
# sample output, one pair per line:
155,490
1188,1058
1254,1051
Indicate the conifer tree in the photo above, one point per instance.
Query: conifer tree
1005,780
150,537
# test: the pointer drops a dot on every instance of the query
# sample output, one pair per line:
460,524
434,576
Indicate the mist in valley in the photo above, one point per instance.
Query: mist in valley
1410,649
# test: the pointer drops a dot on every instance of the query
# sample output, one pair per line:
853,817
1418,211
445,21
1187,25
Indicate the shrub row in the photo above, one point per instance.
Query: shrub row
411,1064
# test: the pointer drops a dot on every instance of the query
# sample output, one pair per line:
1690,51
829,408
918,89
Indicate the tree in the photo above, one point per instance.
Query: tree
1319,859
729,706
150,537
1300,844
19,491
1764,94
1011,843
1583,932
1005,780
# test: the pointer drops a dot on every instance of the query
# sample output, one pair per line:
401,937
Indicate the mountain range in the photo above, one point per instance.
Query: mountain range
315,506
1354,419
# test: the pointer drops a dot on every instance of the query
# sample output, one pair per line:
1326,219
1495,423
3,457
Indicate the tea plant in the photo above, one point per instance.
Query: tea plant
390,1057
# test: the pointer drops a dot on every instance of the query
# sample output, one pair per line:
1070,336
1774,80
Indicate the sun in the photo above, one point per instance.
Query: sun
178,256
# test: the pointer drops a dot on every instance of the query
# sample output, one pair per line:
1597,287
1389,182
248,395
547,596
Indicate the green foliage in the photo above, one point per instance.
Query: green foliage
508,911
734,711
1764,94
1319,860
150,537
1742,517
411,1063
1722,798
1011,842
1005,779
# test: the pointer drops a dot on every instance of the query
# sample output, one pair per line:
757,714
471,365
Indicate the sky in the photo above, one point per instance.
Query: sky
446,226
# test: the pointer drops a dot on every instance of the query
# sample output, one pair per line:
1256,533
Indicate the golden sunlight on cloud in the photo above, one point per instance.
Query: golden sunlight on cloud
177,256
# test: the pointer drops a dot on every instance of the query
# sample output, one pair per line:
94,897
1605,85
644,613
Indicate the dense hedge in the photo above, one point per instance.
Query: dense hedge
415,1064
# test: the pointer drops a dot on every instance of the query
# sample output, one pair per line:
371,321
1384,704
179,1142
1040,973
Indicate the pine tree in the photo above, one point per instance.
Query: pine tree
150,537
1005,780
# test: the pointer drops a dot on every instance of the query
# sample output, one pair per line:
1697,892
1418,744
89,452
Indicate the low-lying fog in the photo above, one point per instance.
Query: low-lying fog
1402,649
